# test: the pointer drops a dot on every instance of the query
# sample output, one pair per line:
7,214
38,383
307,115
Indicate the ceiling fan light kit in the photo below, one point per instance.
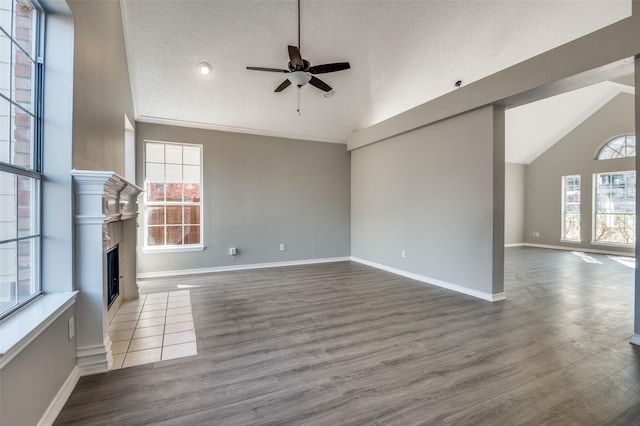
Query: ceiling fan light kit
300,72
299,78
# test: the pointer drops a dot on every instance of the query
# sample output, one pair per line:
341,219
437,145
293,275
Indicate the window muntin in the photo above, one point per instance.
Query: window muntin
173,195
571,189
615,208
20,162
620,147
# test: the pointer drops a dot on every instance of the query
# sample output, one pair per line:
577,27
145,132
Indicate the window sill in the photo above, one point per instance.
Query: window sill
570,241
172,249
23,326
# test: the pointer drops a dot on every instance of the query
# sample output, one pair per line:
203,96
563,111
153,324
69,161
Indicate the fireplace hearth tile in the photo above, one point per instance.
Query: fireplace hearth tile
119,347
117,336
178,304
157,330
120,326
117,361
172,319
146,356
145,343
150,322
179,326
180,337
154,307
164,330
124,317
179,351
129,309
152,314
179,311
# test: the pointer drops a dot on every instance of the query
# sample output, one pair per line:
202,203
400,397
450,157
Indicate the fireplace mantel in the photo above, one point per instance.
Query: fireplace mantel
101,198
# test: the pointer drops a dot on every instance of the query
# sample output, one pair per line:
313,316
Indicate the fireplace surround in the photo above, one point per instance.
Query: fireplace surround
105,213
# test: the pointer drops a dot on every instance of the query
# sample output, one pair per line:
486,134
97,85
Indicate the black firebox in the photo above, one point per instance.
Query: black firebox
113,275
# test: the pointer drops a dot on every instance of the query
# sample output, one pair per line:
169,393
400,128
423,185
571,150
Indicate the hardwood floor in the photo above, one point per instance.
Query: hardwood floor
343,343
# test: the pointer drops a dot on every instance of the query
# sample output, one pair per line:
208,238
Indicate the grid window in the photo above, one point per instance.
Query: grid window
571,186
615,208
620,147
173,189
20,162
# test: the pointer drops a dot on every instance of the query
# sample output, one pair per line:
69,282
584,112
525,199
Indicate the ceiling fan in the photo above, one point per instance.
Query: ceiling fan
300,72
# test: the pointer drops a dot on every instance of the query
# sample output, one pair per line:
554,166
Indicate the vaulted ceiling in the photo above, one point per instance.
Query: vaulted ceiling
402,54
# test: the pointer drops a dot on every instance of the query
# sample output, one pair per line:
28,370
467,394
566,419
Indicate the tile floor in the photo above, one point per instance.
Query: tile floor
156,327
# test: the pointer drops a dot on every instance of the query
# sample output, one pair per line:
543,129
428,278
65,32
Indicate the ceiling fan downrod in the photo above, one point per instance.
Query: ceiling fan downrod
299,46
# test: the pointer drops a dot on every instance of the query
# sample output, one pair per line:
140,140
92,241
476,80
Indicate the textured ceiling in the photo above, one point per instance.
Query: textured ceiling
402,54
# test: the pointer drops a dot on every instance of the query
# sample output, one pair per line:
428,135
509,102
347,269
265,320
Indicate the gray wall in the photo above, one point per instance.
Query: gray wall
102,93
259,192
431,192
514,203
32,379
574,154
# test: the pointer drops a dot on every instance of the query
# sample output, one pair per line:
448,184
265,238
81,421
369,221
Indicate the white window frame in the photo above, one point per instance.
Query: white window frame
173,248
34,170
563,237
594,212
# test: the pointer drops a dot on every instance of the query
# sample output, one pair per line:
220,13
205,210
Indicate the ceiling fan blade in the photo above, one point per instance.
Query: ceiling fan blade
267,69
319,84
295,57
283,86
325,68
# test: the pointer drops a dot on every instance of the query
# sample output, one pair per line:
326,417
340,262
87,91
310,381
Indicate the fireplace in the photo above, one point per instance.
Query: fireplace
113,275
106,208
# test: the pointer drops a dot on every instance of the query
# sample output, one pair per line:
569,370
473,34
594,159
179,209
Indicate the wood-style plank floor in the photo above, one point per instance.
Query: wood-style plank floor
346,344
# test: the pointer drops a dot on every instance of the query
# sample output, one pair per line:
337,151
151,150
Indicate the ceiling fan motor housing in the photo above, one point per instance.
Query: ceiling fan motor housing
305,67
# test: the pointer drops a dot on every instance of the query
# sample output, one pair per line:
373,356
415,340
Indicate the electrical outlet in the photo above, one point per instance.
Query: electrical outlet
233,251
283,247
72,327
403,254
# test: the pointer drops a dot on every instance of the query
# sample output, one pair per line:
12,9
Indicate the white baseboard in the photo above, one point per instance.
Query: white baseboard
434,281
635,339
60,399
180,272
586,250
515,245
93,360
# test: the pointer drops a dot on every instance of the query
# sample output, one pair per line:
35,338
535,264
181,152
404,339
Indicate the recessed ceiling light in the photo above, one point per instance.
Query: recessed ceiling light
204,68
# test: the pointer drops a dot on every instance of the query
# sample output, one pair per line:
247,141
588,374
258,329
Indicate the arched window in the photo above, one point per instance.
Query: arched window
620,147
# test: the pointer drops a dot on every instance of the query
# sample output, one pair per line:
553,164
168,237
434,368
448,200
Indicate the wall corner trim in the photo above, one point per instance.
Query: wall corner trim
60,399
635,339
434,281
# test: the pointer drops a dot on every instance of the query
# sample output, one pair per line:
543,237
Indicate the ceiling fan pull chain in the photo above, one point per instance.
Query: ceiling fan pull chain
298,100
